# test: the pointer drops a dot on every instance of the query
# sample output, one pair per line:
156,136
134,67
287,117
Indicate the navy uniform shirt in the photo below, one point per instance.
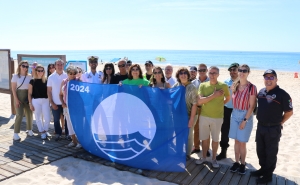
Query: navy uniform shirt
271,106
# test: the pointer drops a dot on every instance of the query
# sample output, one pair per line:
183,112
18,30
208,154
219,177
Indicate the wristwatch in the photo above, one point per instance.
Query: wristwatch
245,119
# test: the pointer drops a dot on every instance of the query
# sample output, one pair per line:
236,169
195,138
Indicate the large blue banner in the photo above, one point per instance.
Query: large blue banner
145,127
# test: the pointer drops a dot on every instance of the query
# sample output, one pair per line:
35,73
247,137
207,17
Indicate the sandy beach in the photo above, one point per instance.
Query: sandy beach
70,170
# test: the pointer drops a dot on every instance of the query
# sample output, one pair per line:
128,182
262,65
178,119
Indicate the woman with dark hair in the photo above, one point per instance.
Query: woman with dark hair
50,69
135,76
108,73
19,85
241,123
183,79
158,79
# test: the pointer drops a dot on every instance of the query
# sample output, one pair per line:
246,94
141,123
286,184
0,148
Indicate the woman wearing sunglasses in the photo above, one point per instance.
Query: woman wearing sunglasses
38,100
241,123
183,79
135,76
108,73
158,79
19,84
50,69
63,96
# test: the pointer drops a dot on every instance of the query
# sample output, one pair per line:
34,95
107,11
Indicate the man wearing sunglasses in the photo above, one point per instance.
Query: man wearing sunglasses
228,107
93,76
149,70
274,109
193,72
122,74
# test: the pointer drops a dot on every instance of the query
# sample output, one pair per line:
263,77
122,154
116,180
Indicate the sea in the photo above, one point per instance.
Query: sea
280,61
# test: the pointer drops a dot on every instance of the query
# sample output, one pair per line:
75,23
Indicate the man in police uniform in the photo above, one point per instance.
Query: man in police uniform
274,109
93,76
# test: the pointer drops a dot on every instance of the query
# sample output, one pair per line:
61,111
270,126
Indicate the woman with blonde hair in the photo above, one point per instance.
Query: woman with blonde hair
241,123
38,100
19,85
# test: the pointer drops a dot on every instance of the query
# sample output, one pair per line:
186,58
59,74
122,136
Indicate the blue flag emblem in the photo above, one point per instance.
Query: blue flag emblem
144,127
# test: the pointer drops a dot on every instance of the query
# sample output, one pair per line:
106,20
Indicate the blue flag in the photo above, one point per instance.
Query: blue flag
145,128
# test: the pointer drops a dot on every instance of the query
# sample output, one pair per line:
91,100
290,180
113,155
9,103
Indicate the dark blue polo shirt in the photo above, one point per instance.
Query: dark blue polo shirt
271,106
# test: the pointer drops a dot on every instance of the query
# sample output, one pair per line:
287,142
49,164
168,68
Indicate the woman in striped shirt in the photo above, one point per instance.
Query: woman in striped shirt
241,123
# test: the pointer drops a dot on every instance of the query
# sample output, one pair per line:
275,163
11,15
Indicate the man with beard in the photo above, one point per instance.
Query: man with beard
193,72
93,76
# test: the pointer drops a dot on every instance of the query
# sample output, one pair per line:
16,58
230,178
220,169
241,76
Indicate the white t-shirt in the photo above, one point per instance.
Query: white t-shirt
55,81
91,78
19,81
171,81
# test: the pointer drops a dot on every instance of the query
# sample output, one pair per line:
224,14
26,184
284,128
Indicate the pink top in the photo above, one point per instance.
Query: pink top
64,89
240,99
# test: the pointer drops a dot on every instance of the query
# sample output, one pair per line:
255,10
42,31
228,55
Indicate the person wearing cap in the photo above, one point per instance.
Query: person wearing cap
168,73
93,76
149,70
128,64
228,107
193,72
274,109
34,64
122,74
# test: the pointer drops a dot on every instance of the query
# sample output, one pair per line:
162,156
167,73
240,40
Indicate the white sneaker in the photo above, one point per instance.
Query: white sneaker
70,145
215,164
78,146
200,161
43,136
16,137
48,134
30,133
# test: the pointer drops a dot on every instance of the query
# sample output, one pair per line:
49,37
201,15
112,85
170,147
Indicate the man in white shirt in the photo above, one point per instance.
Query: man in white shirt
53,89
168,73
93,76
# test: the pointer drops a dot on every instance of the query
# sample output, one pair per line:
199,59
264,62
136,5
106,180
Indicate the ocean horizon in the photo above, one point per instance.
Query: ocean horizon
261,60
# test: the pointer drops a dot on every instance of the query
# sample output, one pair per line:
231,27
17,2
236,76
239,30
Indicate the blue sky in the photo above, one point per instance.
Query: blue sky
252,25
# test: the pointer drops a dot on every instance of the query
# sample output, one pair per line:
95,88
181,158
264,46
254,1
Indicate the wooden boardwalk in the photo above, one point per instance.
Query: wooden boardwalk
17,157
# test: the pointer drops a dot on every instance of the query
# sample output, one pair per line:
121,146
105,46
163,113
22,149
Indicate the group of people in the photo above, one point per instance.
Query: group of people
214,108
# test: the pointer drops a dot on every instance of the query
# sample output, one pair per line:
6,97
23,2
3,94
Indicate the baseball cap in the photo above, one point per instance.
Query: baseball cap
233,65
148,62
270,71
193,68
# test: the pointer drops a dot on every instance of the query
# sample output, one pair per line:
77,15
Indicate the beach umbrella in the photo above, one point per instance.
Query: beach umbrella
161,59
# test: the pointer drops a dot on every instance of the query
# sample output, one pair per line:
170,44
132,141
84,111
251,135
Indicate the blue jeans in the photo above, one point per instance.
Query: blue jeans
56,116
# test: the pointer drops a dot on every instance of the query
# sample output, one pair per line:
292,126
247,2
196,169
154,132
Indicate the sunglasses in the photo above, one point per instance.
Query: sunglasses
134,69
79,71
108,68
128,64
40,71
157,72
73,73
183,73
269,78
122,65
24,66
93,62
243,70
202,70
213,74
232,69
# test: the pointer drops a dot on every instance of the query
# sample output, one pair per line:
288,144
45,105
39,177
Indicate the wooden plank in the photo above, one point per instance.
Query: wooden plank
6,173
189,168
290,181
173,175
27,164
40,160
210,174
2,177
280,180
235,179
197,175
226,178
245,178
24,158
51,157
274,180
13,170
220,174
18,166
163,175
252,180
6,159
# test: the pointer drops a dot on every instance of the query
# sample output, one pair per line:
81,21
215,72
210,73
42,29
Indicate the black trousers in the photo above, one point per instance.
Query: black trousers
224,142
267,143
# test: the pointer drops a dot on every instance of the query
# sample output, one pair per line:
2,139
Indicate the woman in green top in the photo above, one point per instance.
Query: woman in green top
135,76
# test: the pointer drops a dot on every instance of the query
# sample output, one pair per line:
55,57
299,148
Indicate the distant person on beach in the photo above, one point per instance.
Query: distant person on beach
53,90
149,69
168,72
19,86
122,74
213,96
274,109
50,69
241,122
228,107
72,72
202,70
128,64
193,72
108,73
38,100
158,79
93,76
183,79
135,76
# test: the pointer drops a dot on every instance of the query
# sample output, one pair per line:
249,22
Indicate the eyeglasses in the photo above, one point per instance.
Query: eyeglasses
159,72
183,73
122,65
243,70
24,66
232,69
202,70
269,78
93,62
213,73
134,69
108,68
73,73
40,71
